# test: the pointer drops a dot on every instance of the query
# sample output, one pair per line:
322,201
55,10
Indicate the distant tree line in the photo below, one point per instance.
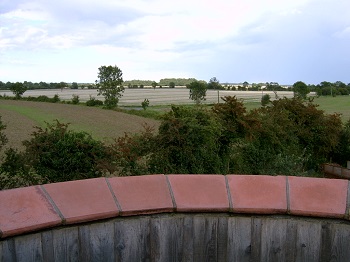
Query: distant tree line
331,89
43,85
322,89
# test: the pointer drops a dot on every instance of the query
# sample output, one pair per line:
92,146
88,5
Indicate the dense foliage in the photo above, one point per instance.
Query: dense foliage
286,136
110,85
198,91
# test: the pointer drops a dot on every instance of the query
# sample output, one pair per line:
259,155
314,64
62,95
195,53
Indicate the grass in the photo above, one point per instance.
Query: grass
35,115
338,104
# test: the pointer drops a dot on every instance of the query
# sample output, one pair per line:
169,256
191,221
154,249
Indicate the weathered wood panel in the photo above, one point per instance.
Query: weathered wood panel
7,250
187,237
308,241
132,238
239,232
205,230
340,238
96,242
273,239
166,239
28,248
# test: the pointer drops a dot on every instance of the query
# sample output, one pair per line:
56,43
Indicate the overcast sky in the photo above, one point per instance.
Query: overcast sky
280,41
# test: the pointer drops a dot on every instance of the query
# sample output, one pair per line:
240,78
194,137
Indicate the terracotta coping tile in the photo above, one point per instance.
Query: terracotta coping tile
199,193
83,200
258,193
25,209
142,194
317,196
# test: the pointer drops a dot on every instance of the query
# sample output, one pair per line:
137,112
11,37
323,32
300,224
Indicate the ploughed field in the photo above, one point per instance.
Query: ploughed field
20,117
158,96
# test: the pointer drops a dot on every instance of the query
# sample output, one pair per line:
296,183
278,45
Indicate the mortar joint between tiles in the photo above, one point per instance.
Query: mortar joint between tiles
114,196
230,202
52,202
171,192
347,211
288,195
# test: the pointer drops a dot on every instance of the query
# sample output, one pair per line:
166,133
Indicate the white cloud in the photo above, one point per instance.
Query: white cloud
229,38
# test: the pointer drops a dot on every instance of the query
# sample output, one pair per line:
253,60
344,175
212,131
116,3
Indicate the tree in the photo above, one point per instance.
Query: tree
214,83
300,89
109,84
265,99
172,85
154,84
198,91
18,89
74,85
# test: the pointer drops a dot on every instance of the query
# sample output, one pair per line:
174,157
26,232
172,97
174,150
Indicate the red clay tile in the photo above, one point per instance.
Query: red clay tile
25,209
142,194
258,193
199,192
83,200
317,196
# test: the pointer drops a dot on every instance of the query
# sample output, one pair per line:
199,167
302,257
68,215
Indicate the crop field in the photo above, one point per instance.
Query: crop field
20,117
158,96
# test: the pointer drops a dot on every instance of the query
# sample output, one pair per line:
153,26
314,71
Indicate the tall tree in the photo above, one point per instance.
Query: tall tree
110,85
300,89
198,91
214,83
18,89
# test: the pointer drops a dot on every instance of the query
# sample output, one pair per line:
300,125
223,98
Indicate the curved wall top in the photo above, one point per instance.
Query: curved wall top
34,208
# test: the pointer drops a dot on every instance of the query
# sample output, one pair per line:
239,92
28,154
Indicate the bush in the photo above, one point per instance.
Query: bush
15,172
75,99
265,100
58,154
145,104
188,143
94,102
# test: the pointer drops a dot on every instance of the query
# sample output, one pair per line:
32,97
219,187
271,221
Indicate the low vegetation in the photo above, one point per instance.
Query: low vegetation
285,137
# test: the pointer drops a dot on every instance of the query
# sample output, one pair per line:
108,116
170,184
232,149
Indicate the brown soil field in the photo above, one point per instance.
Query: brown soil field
104,125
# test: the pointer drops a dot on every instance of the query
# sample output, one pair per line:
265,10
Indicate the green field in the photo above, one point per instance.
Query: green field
338,104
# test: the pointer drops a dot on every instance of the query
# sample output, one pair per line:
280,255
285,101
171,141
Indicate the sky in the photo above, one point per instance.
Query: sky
282,41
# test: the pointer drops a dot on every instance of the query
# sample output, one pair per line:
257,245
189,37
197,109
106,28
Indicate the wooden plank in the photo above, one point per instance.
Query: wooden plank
326,242
84,243
7,250
96,242
340,240
28,248
308,241
256,226
239,231
47,244
205,231
132,239
66,244
166,238
187,239
292,226
222,238
273,239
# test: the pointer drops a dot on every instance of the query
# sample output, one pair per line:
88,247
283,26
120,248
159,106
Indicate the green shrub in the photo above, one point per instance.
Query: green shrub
75,99
94,102
145,104
15,172
188,142
58,154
